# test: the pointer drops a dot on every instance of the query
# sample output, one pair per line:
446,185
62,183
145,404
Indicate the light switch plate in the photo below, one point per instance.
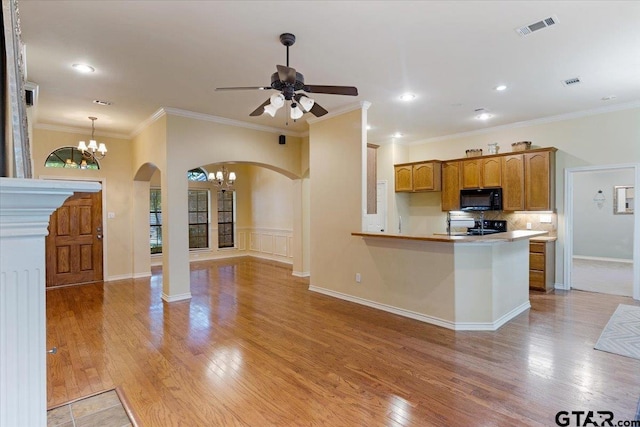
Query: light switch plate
111,215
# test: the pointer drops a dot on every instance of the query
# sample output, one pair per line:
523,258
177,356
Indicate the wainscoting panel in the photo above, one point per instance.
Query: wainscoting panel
242,240
266,243
270,243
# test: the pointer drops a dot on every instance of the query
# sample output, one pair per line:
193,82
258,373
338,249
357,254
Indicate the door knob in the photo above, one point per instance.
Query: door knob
99,236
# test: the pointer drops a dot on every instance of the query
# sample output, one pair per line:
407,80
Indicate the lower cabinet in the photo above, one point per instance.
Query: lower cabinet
542,265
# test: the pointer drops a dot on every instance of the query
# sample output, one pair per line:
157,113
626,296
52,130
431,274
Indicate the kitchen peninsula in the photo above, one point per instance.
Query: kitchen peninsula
457,282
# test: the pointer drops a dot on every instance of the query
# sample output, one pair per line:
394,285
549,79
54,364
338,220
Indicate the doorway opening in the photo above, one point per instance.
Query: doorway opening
602,250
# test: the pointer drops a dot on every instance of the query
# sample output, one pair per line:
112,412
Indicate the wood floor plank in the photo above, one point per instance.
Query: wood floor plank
254,347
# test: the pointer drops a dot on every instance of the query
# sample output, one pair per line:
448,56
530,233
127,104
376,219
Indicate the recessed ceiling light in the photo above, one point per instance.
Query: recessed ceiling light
397,135
500,88
483,114
608,98
83,68
407,97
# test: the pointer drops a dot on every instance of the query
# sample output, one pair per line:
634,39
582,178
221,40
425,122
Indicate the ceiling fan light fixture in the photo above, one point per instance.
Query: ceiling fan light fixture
296,112
270,110
307,103
277,100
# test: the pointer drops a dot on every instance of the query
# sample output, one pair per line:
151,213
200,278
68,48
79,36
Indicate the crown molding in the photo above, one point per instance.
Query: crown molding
364,105
540,121
147,122
79,131
215,119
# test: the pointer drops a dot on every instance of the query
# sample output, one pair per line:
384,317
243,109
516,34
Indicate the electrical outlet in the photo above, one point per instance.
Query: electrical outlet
545,219
528,226
358,278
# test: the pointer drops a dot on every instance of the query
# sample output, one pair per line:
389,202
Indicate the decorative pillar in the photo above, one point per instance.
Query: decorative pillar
25,208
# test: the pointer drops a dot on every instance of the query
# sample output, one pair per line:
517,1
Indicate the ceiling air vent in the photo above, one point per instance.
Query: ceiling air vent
571,82
528,29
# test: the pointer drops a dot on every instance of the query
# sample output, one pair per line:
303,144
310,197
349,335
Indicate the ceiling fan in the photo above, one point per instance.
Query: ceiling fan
292,88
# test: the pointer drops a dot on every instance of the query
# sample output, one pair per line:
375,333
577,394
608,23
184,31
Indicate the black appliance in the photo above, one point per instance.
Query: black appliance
481,199
487,226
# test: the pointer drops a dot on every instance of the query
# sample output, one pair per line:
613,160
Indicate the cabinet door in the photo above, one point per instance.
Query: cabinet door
537,168
450,186
426,176
404,178
470,173
491,172
513,182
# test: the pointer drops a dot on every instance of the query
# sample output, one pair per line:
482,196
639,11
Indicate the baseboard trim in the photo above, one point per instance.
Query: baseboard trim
142,275
597,258
456,326
301,274
118,277
176,298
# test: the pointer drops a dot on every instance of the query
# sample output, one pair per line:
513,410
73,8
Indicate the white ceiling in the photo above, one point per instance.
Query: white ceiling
451,54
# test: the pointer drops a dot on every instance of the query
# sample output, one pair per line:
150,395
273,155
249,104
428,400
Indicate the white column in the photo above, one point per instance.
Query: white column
25,208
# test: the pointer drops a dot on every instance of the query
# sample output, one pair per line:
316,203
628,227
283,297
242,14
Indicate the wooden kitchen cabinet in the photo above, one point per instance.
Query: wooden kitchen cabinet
481,173
542,265
539,181
403,177
513,182
417,177
491,172
427,176
451,186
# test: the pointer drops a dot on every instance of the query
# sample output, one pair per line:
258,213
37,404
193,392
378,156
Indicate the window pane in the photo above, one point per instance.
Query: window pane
202,218
226,206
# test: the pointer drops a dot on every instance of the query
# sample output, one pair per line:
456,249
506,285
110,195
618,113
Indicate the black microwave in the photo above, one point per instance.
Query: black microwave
481,199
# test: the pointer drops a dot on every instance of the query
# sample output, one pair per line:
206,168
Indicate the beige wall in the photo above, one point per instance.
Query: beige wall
115,173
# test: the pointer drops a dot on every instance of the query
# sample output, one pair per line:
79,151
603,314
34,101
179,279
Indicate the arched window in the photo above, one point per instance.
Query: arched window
70,157
197,174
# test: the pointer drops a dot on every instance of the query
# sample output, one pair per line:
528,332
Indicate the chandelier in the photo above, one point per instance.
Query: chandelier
89,151
223,179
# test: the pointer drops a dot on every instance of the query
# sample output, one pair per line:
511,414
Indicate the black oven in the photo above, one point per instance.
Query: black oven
481,199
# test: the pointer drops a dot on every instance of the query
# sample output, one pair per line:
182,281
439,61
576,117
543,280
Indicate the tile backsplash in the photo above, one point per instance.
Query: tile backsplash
518,221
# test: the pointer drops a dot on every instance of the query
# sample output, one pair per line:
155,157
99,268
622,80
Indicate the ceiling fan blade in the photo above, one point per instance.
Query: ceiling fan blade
286,74
333,90
258,111
219,89
316,110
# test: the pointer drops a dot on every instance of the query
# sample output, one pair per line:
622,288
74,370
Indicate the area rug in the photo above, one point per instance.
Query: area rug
622,333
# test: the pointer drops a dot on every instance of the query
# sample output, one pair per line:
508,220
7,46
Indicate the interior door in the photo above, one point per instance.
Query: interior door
74,243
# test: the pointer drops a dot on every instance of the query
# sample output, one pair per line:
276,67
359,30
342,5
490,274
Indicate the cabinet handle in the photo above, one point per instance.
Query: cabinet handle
54,350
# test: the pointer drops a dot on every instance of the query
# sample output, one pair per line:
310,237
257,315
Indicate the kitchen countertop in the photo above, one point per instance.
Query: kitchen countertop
544,239
509,236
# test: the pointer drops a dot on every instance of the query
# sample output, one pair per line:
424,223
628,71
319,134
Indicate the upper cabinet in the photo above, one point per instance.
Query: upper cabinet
480,173
527,178
421,176
451,172
539,181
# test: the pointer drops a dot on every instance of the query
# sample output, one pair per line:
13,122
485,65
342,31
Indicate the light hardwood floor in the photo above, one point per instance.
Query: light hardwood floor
254,347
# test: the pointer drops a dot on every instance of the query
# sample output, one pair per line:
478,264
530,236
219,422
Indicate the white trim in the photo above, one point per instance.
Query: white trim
79,131
597,258
175,298
141,275
223,120
356,106
118,277
301,274
568,220
543,120
146,122
456,326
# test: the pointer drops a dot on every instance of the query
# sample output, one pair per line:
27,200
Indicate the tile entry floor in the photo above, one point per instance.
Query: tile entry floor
609,277
103,410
